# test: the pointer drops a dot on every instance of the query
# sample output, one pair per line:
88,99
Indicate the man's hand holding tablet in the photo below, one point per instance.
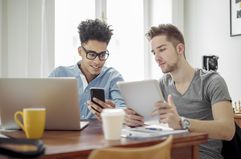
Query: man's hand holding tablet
140,97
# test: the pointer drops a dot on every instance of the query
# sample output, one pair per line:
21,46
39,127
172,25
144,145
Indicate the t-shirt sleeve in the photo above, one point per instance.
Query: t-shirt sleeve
217,90
164,84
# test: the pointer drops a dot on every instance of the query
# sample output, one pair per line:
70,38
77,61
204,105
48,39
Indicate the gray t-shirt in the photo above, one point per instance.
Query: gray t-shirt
206,89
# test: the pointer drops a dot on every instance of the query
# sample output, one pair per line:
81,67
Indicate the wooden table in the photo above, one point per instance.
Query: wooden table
79,144
237,119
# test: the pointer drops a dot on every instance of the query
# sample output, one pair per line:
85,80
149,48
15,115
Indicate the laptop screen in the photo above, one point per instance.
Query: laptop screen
58,95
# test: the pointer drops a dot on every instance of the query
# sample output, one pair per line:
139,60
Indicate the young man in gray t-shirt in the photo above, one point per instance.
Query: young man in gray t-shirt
196,100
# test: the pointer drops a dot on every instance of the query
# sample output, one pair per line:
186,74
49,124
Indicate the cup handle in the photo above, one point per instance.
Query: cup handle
19,113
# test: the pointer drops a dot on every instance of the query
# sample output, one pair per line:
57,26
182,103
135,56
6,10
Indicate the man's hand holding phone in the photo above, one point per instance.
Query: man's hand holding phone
98,102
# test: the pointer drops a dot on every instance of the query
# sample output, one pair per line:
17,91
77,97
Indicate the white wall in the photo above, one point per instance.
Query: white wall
28,38
178,14
207,31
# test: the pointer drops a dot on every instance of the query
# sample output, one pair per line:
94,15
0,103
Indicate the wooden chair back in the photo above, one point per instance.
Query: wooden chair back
158,151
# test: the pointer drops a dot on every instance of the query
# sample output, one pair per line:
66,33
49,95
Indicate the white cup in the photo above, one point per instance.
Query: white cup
112,120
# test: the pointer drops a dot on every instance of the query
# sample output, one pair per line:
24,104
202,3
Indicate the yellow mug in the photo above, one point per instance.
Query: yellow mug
33,121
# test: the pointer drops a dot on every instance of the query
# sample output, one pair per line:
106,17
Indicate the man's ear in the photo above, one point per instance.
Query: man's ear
180,48
80,51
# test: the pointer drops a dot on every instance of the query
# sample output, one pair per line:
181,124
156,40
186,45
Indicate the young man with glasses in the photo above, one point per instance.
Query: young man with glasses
90,70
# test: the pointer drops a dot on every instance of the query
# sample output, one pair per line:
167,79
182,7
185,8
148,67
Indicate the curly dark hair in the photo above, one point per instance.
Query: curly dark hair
94,30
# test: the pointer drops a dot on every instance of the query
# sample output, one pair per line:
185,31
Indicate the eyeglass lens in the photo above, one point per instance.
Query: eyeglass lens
91,55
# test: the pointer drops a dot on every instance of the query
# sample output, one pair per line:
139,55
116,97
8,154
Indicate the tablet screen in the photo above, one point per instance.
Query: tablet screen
141,96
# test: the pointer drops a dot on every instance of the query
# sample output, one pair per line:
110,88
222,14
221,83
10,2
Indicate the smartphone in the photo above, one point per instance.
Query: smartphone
23,148
98,93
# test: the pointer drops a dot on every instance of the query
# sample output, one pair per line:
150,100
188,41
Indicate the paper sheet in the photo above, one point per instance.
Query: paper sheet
149,131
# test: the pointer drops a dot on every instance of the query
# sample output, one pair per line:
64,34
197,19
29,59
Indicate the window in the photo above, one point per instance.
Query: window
161,13
68,15
127,44
127,51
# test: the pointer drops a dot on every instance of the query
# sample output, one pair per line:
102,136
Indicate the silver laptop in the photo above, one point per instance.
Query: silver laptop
58,95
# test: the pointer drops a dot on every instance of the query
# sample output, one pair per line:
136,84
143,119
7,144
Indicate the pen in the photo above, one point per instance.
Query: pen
154,129
137,135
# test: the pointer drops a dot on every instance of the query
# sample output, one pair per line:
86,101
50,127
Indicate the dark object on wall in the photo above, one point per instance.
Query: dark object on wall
210,62
235,15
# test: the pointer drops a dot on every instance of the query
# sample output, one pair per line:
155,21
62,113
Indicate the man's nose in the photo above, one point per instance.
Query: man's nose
97,59
158,57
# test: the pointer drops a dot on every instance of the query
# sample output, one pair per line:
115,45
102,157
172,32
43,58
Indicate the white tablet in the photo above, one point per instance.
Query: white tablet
141,96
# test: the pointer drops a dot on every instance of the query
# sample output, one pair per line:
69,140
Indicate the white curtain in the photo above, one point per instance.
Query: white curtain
28,38
1,23
47,37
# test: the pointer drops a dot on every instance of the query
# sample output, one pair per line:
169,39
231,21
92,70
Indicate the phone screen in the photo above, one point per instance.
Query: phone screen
98,93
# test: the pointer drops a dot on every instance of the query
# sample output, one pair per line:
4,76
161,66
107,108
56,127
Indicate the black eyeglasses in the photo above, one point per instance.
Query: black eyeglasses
91,55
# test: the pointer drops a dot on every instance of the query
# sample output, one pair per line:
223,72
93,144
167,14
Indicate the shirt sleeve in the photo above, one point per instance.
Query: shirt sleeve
59,72
53,74
217,90
115,92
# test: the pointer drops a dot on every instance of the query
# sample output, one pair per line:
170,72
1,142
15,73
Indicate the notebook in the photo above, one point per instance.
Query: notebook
141,97
58,95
